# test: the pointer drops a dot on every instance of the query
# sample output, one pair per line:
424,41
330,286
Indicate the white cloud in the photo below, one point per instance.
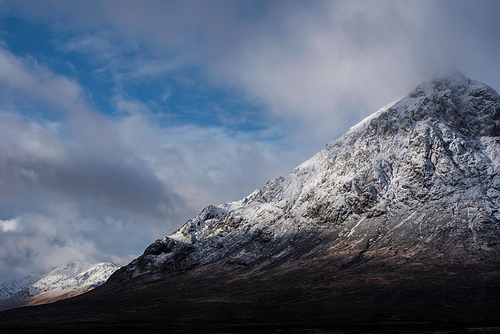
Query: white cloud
8,225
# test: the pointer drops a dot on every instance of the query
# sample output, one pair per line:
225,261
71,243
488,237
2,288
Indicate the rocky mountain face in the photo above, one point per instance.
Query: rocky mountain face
417,181
65,281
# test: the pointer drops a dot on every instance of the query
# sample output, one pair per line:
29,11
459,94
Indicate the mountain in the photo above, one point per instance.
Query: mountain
396,222
65,281
418,179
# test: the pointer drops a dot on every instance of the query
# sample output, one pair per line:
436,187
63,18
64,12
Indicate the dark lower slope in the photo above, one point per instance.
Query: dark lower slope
301,295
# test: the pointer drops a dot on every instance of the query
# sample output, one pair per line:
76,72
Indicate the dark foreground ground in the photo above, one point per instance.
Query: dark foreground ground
252,326
366,298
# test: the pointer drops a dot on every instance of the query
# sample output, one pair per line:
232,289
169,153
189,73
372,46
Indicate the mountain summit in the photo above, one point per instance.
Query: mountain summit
418,181
397,221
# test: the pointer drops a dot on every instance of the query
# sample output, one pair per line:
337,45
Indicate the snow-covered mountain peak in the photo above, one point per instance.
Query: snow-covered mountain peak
452,76
61,274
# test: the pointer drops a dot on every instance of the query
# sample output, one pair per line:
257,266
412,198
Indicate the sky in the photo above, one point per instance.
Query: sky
121,120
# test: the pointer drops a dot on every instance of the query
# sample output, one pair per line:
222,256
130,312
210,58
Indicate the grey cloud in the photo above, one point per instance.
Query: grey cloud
468,37
33,157
74,201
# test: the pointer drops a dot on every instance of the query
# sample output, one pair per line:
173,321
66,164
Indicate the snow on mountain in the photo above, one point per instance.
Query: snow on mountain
75,276
418,179
18,286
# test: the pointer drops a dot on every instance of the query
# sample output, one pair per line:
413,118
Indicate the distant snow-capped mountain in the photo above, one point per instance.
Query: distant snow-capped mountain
65,281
